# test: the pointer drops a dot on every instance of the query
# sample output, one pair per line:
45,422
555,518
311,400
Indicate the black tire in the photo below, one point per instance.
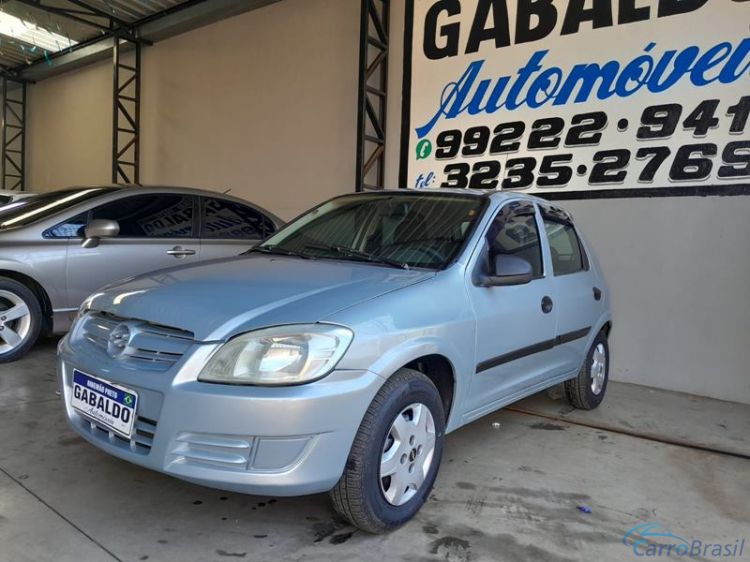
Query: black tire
358,496
20,292
579,390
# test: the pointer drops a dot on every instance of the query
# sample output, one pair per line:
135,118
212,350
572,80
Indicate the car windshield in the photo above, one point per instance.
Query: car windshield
400,230
38,207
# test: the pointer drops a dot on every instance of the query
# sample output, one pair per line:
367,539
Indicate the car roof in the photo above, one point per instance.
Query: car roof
495,195
150,189
146,189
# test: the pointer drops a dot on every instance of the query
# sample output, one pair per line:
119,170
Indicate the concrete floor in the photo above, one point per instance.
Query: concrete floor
506,493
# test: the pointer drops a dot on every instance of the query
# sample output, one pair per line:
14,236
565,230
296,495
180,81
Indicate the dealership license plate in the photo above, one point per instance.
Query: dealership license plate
110,405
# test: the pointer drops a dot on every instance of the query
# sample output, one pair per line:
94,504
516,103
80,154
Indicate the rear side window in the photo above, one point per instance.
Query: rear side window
227,220
150,216
565,247
514,232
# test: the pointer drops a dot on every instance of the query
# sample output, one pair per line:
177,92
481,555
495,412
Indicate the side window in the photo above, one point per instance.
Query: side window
71,228
567,256
228,220
150,216
514,232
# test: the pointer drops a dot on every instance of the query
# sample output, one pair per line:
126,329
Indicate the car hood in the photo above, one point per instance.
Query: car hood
221,298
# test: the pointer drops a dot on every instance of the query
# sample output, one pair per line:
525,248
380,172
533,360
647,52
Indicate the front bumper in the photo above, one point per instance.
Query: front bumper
282,441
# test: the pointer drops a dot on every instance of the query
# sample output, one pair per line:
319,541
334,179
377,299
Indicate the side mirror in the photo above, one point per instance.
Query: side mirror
98,229
508,270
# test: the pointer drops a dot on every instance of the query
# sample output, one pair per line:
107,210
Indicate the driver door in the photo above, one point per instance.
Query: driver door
515,323
156,231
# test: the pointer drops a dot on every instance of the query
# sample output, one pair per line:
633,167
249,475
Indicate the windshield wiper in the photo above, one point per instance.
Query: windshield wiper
351,252
275,250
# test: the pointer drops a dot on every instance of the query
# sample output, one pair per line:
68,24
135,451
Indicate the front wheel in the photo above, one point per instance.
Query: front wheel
20,319
395,457
586,391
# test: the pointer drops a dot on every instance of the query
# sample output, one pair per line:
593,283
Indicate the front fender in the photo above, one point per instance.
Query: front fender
396,357
429,318
25,269
7,264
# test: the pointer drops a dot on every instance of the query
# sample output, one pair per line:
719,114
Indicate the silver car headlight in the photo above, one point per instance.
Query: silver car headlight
282,355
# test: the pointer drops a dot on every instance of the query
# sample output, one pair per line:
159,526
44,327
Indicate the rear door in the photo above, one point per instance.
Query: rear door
515,324
229,228
156,231
578,297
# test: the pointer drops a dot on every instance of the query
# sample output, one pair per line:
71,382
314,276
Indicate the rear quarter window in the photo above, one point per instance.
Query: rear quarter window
229,220
565,247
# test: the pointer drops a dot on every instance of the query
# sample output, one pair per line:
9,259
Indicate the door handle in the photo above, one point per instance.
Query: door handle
547,305
180,252
597,294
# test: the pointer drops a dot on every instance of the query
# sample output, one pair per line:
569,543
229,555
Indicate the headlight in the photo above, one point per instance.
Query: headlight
277,356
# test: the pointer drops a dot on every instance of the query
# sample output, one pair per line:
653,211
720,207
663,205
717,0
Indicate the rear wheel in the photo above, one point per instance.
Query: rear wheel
586,391
395,457
20,319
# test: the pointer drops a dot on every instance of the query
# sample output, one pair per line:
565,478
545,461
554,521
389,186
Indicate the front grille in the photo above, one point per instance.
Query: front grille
140,442
148,346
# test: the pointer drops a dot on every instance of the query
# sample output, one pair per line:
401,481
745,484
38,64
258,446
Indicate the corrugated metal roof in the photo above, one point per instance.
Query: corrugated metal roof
133,10
29,33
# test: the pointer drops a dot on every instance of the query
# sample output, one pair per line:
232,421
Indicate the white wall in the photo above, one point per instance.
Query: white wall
69,129
262,104
678,272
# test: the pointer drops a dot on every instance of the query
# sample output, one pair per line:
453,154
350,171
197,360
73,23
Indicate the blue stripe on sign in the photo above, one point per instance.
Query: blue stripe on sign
101,387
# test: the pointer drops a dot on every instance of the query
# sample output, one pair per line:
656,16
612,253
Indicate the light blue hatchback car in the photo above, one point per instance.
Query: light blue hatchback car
338,353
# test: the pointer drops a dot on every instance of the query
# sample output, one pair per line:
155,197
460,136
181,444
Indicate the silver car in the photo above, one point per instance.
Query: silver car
338,353
57,248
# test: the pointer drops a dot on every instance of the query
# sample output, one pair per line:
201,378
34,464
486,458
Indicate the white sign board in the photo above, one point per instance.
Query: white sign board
578,98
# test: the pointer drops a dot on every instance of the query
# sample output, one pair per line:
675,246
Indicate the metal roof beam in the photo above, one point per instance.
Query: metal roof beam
184,17
100,13
70,58
194,14
11,74
68,14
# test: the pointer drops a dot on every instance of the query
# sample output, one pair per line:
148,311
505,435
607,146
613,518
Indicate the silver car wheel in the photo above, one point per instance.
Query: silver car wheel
598,368
15,321
407,454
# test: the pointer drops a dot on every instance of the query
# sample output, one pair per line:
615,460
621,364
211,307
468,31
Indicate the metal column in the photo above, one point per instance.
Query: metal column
14,135
373,88
126,111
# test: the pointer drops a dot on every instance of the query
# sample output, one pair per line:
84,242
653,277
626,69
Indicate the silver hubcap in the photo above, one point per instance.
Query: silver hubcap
598,368
407,454
15,321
